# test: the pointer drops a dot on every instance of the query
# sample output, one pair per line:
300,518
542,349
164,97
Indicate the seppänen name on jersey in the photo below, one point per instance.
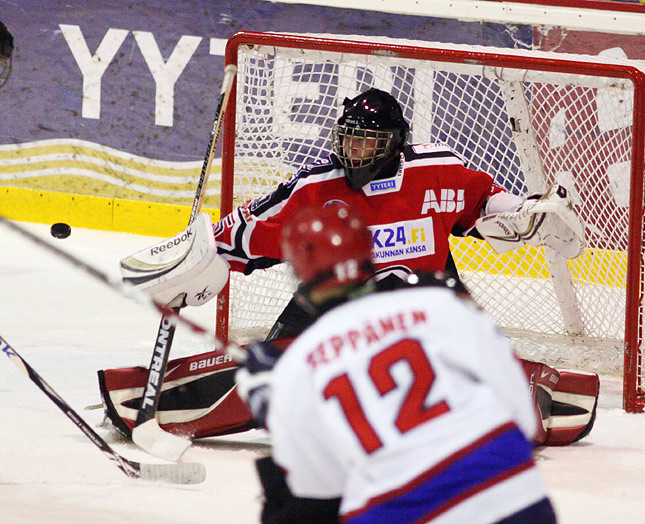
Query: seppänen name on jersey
356,339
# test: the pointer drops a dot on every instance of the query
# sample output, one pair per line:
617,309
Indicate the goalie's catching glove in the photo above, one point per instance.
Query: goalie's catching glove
542,220
253,378
184,270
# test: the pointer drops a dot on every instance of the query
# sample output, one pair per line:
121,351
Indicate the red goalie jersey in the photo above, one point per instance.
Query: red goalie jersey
410,214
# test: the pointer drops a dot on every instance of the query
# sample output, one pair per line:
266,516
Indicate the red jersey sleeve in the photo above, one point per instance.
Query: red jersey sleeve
249,237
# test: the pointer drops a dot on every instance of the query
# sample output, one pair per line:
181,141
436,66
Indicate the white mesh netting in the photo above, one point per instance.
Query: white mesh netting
527,128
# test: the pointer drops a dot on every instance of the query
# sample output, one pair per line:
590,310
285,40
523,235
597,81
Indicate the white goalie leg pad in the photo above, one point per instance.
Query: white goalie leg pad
549,220
182,270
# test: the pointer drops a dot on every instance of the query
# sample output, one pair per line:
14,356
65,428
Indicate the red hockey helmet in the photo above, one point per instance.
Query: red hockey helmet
330,250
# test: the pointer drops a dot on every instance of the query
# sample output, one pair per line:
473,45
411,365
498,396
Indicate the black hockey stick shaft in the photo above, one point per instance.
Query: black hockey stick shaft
166,332
227,83
176,473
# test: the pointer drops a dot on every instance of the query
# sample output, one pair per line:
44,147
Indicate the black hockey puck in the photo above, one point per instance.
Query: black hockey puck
60,230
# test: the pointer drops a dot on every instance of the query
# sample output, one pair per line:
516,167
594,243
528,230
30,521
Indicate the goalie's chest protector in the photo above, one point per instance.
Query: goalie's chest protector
412,214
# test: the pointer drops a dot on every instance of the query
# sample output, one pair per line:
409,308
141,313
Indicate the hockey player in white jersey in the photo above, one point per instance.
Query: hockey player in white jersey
400,405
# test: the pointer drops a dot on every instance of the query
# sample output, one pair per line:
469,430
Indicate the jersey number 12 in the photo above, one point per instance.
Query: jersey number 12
412,412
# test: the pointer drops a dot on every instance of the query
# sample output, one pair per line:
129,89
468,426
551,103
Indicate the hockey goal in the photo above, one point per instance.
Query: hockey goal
528,118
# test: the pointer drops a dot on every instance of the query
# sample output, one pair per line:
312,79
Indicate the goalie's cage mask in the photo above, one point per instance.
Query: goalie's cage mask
330,251
369,135
6,50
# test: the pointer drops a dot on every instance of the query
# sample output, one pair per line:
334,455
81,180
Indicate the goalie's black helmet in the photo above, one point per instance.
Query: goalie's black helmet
369,135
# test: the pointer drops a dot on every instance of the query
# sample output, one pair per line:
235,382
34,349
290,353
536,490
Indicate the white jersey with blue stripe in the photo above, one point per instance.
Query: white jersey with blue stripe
411,407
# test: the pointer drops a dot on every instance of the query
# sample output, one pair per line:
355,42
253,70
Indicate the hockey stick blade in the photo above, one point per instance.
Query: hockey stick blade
185,473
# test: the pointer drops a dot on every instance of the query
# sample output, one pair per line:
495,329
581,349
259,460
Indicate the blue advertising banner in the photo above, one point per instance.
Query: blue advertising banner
117,99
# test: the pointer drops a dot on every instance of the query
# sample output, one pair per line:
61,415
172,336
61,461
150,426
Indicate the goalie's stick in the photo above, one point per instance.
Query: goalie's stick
147,434
185,473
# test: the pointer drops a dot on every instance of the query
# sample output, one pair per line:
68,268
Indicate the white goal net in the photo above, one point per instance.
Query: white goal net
529,119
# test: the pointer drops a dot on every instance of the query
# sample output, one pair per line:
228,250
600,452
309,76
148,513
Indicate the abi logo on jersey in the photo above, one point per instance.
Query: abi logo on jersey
450,201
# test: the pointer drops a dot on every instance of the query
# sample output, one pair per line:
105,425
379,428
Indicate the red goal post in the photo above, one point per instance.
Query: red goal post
528,118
